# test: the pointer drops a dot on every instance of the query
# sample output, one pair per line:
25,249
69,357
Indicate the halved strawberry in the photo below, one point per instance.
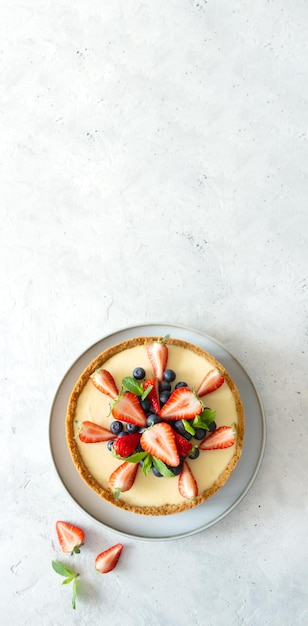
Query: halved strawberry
187,484
123,477
124,446
211,381
153,394
182,404
222,437
158,357
126,408
159,441
183,446
107,560
90,432
70,537
104,381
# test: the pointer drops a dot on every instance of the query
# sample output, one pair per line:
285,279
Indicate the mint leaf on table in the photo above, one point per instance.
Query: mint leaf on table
69,576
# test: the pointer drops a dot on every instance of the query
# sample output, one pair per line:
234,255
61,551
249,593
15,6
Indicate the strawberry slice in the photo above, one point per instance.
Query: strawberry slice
107,560
153,394
182,404
183,446
159,441
158,357
187,484
211,381
70,537
222,437
123,478
124,446
90,432
104,381
126,408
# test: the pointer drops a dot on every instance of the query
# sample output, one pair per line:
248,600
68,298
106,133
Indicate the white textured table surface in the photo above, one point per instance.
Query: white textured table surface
153,164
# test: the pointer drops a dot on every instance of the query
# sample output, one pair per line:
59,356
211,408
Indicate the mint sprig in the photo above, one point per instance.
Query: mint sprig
70,577
206,417
132,385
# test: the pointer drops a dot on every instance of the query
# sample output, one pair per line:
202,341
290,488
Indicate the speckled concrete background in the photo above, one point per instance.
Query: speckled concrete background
153,165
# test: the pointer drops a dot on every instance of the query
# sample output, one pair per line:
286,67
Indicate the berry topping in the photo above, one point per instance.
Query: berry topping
187,484
158,357
123,477
104,381
153,393
181,383
222,437
126,408
139,373
90,432
211,381
70,537
106,561
159,441
169,376
182,404
183,446
125,446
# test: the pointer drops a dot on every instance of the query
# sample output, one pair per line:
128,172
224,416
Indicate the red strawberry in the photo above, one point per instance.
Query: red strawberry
124,446
158,356
126,408
222,437
103,380
70,537
182,404
90,432
187,485
153,394
107,560
183,446
211,381
159,441
123,478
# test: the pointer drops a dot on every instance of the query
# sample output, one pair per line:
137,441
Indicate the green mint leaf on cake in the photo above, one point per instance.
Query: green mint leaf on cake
207,416
133,458
146,392
69,576
147,464
132,385
188,427
162,468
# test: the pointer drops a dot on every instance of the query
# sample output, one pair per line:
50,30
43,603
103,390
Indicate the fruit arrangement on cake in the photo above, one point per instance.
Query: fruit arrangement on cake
155,425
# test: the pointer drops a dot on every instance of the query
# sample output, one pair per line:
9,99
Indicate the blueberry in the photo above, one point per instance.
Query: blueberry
116,427
212,426
164,396
110,444
123,433
164,386
194,453
139,373
176,470
180,428
169,376
145,404
180,384
200,433
132,428
156,472
153,418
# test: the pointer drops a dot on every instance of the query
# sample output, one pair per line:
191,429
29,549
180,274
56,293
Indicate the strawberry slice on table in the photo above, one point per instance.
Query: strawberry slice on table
158,357
159,441
70,537
123,477
187,484
125,446
222,437
106,561
182,404
90,432
183,446
104,381
211,381
153,394
126,408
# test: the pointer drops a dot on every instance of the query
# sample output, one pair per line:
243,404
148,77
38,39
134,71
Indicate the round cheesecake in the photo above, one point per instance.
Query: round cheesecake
181,417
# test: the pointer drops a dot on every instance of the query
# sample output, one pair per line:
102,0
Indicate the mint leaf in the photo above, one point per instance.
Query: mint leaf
133,458
146,392
162,468
147,464
188,427
62,569
207,416
132,385
74,596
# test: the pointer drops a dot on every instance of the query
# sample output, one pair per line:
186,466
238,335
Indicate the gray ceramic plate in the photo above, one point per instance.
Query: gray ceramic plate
171,526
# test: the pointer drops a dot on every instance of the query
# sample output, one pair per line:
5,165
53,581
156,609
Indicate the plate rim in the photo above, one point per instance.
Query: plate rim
253,476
